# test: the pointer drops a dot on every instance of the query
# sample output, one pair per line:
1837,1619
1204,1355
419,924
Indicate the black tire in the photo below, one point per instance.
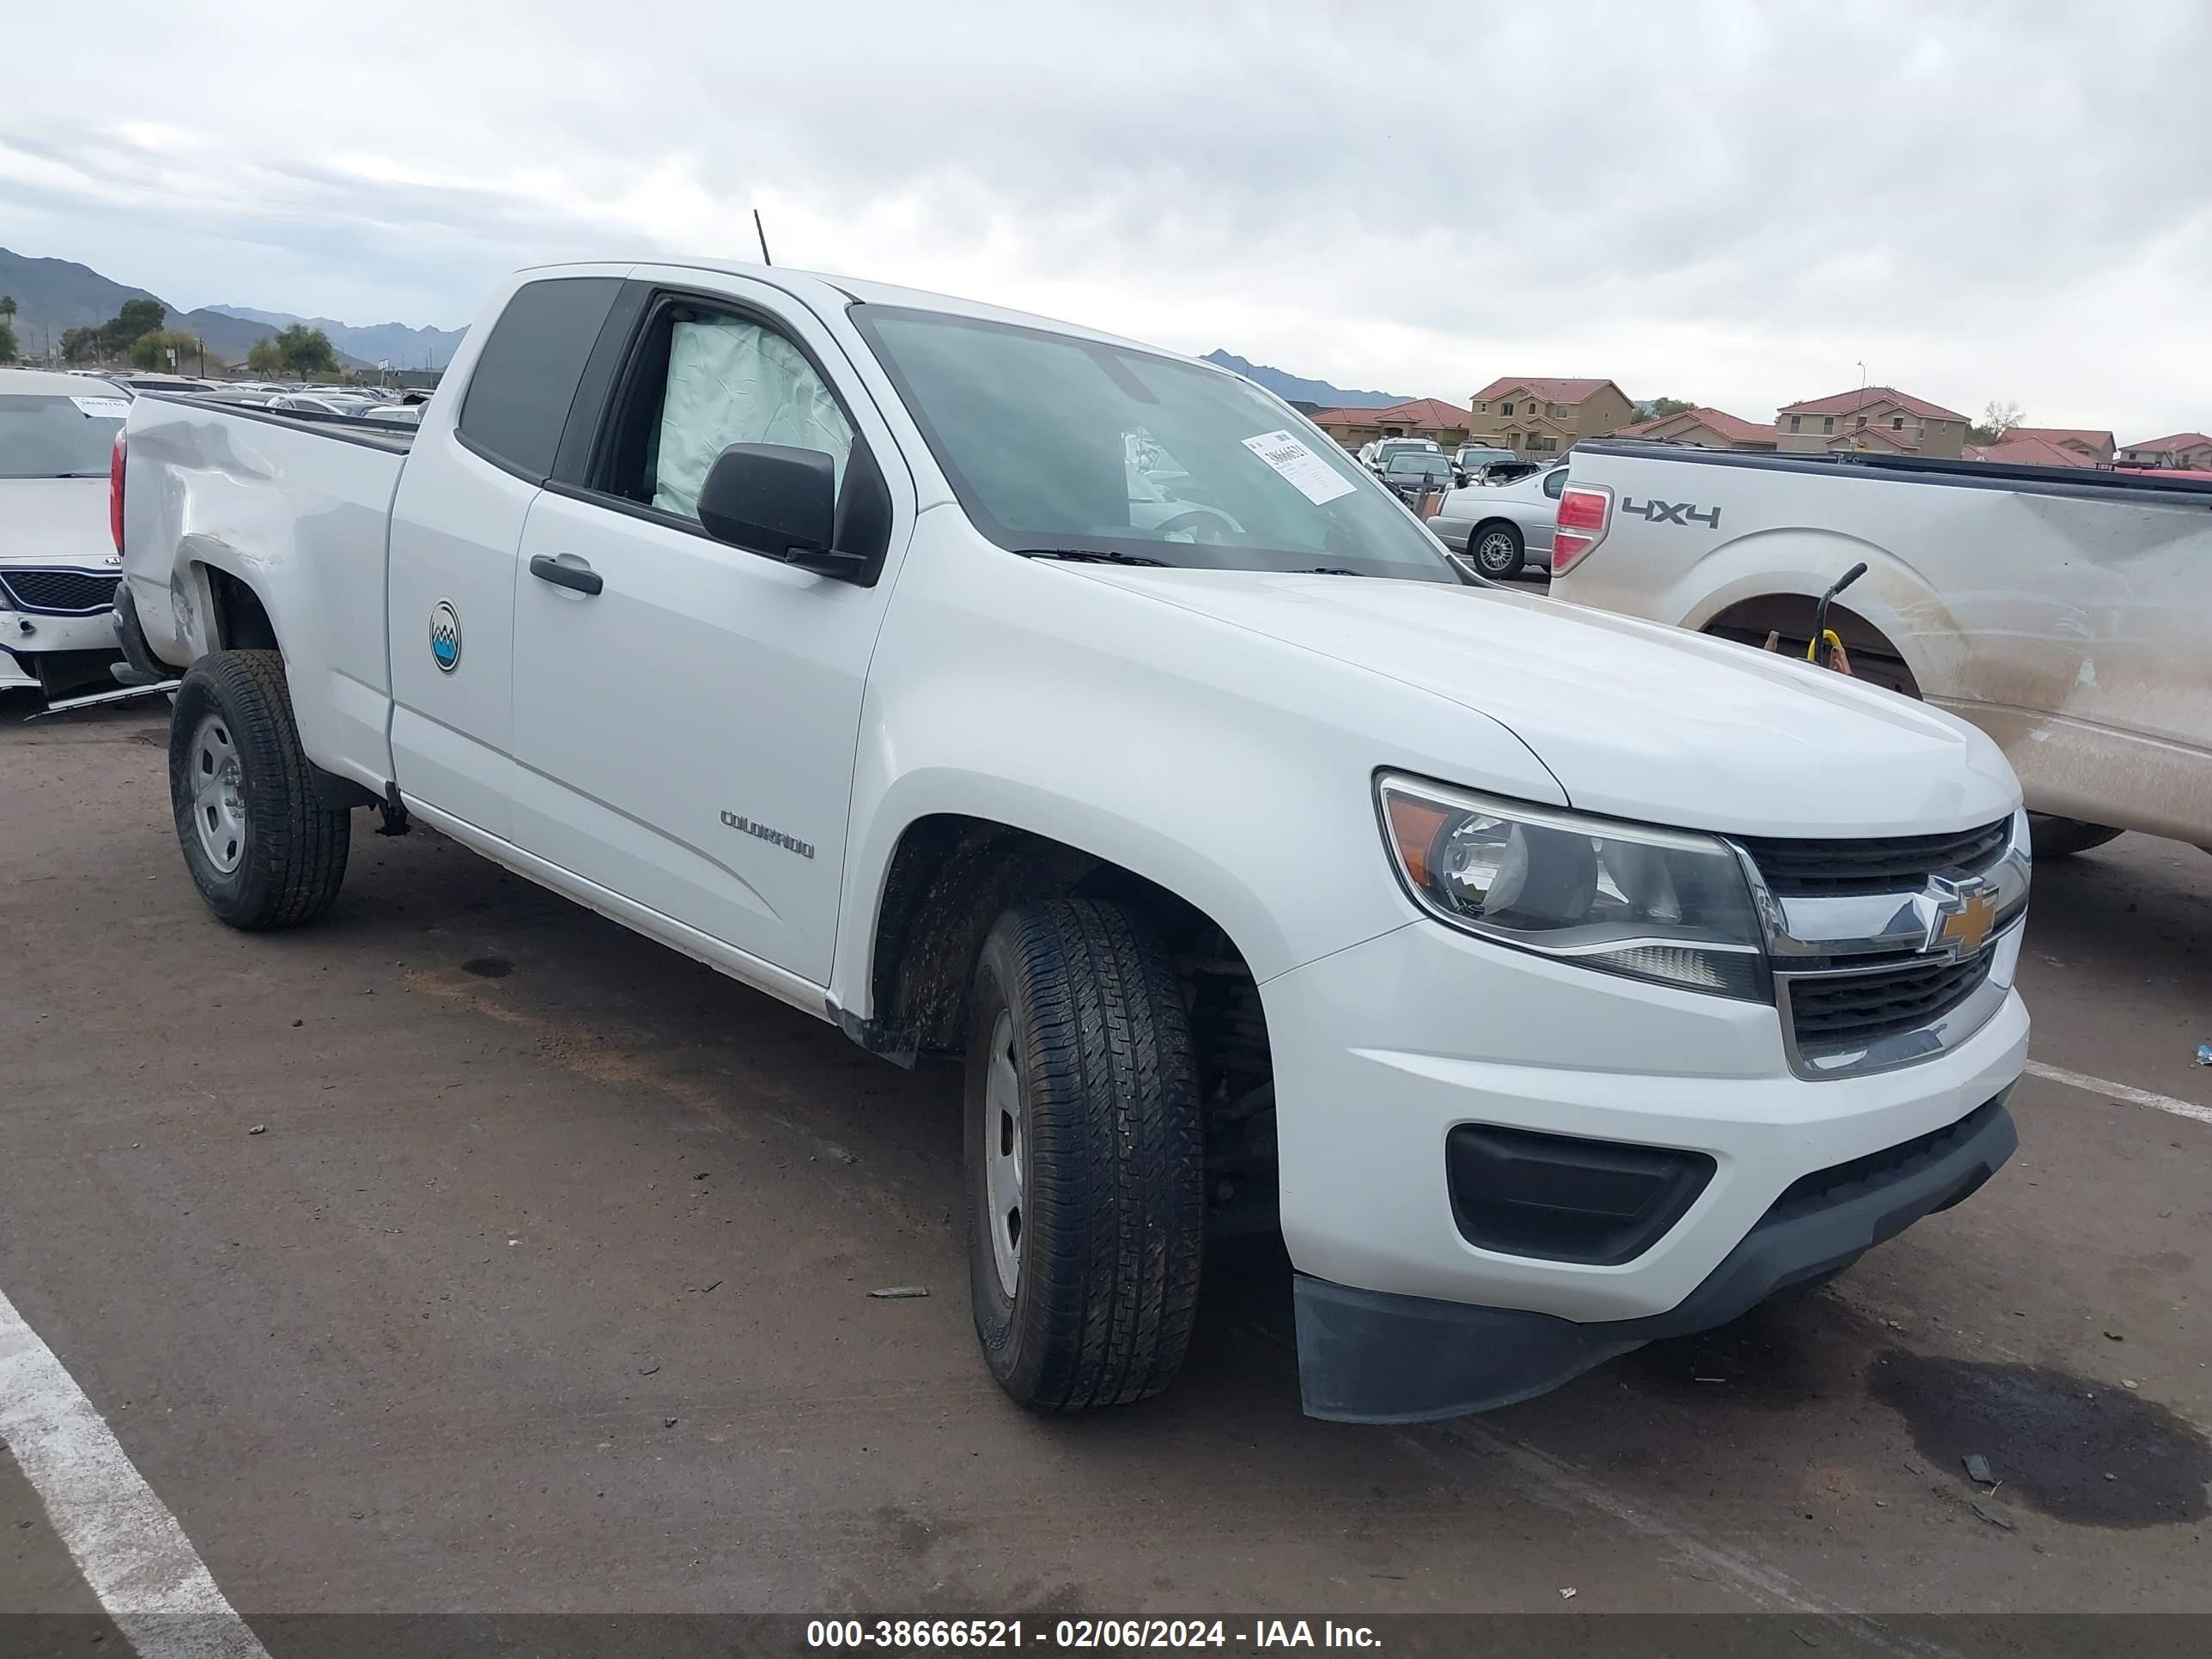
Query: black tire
1112,1201
2051,837
1496,549
289,849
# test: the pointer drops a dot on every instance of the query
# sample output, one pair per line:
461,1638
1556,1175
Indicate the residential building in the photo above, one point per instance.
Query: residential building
2097,446
2187,451
2014,450
1418,417
1542,418
1713,429
1874,417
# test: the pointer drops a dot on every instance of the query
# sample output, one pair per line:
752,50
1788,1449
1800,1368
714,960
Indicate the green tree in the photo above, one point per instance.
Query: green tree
264,358
7,342
1662,407
80,345
137,316
8,322
307,352
152,350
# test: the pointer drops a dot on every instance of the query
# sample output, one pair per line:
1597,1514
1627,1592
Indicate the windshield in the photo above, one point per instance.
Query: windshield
1057,444
44,436
1427,465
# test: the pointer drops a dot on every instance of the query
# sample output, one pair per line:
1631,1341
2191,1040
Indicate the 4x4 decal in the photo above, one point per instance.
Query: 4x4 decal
1681,512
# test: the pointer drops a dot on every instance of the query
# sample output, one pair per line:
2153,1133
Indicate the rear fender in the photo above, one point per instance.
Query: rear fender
1890,598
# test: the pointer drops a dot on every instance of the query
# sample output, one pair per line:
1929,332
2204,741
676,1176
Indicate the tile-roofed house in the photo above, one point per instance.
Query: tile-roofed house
1715,428
1416,417
2015,450
2097,446
1847,419
1844,403
1542,416
2188,451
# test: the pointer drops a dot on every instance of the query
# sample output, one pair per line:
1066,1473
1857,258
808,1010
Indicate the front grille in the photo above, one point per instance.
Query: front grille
1823,1186
66,593
1840,1010
1821,869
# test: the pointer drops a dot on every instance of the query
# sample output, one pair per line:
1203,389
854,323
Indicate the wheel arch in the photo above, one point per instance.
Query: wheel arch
948,877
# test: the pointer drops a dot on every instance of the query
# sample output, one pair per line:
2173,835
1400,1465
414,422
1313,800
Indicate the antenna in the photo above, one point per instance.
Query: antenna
763,234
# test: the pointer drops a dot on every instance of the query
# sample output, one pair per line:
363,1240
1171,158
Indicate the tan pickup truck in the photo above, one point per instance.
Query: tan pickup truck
2066,612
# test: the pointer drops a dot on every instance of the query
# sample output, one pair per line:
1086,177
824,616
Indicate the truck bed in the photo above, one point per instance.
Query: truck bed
343,428
221,500
2061,610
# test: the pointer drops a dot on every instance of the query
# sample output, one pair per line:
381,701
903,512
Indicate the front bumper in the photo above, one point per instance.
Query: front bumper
1364,1356
1382,1050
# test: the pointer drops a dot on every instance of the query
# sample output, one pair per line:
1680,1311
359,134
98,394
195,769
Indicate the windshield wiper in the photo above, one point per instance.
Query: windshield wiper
1091,556
1329,570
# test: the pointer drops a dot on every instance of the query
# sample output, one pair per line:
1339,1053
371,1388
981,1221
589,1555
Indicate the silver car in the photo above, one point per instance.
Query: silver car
1502,527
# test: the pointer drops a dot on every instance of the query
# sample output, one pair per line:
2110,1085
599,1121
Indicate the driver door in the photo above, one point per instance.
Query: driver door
684,730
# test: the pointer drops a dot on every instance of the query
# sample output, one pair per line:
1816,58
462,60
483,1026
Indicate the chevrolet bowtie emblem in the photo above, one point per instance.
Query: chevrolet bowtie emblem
1965,927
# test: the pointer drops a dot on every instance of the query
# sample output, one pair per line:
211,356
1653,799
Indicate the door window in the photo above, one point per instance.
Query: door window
705,380
526,377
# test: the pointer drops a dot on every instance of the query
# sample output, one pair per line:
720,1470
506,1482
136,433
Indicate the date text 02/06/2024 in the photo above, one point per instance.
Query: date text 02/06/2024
1122,1634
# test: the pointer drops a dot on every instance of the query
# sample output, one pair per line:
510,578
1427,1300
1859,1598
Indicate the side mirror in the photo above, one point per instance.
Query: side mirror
778,502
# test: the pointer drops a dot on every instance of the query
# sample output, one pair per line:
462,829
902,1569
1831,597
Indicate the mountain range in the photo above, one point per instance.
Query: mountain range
372,343
53,295
1295,389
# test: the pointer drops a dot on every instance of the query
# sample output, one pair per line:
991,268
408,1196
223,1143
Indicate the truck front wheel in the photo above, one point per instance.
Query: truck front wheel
262,847
1086,1158
2051,837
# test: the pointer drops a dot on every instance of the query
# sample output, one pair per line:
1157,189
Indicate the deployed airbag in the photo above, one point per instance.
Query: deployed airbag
734,382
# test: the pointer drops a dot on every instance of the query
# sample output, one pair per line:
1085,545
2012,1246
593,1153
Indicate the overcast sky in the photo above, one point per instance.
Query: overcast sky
1734,204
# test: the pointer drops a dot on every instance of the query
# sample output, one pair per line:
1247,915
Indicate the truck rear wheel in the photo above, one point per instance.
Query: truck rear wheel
1086,1158
262,847
2051,837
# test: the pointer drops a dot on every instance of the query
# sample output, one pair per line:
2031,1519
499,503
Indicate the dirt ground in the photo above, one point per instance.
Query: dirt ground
466,1253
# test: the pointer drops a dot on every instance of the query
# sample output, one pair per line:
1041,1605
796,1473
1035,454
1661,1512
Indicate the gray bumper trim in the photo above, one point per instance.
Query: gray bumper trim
1367,1357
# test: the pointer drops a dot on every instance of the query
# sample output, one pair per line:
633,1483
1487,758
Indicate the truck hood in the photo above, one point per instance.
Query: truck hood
1635,719
55,521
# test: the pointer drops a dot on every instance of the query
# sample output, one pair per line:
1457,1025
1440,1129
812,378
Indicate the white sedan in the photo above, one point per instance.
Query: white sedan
58,564
1502,527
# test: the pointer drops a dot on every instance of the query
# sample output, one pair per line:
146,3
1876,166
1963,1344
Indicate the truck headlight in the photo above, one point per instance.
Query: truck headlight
1664,905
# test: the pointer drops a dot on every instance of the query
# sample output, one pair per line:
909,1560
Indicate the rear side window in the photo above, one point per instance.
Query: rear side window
1554,482
518,396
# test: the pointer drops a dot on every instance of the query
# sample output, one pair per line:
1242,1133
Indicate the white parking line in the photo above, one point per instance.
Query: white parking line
2097,1085
129,1547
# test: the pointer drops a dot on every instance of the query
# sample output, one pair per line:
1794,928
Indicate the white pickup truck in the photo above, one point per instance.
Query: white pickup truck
1002,690
2067,612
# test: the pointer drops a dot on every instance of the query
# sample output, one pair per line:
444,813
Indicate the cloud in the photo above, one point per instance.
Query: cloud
1730,204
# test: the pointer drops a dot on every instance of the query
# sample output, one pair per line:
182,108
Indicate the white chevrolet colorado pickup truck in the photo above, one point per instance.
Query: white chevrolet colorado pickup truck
999,689
2064,610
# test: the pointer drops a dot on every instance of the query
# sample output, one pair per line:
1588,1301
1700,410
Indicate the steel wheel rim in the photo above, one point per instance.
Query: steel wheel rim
1006,1153
1494,551
218,794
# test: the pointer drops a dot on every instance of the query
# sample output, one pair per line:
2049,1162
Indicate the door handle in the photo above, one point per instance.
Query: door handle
580,577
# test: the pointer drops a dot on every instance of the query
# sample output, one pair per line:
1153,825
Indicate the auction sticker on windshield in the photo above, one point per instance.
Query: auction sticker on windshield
1312,477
